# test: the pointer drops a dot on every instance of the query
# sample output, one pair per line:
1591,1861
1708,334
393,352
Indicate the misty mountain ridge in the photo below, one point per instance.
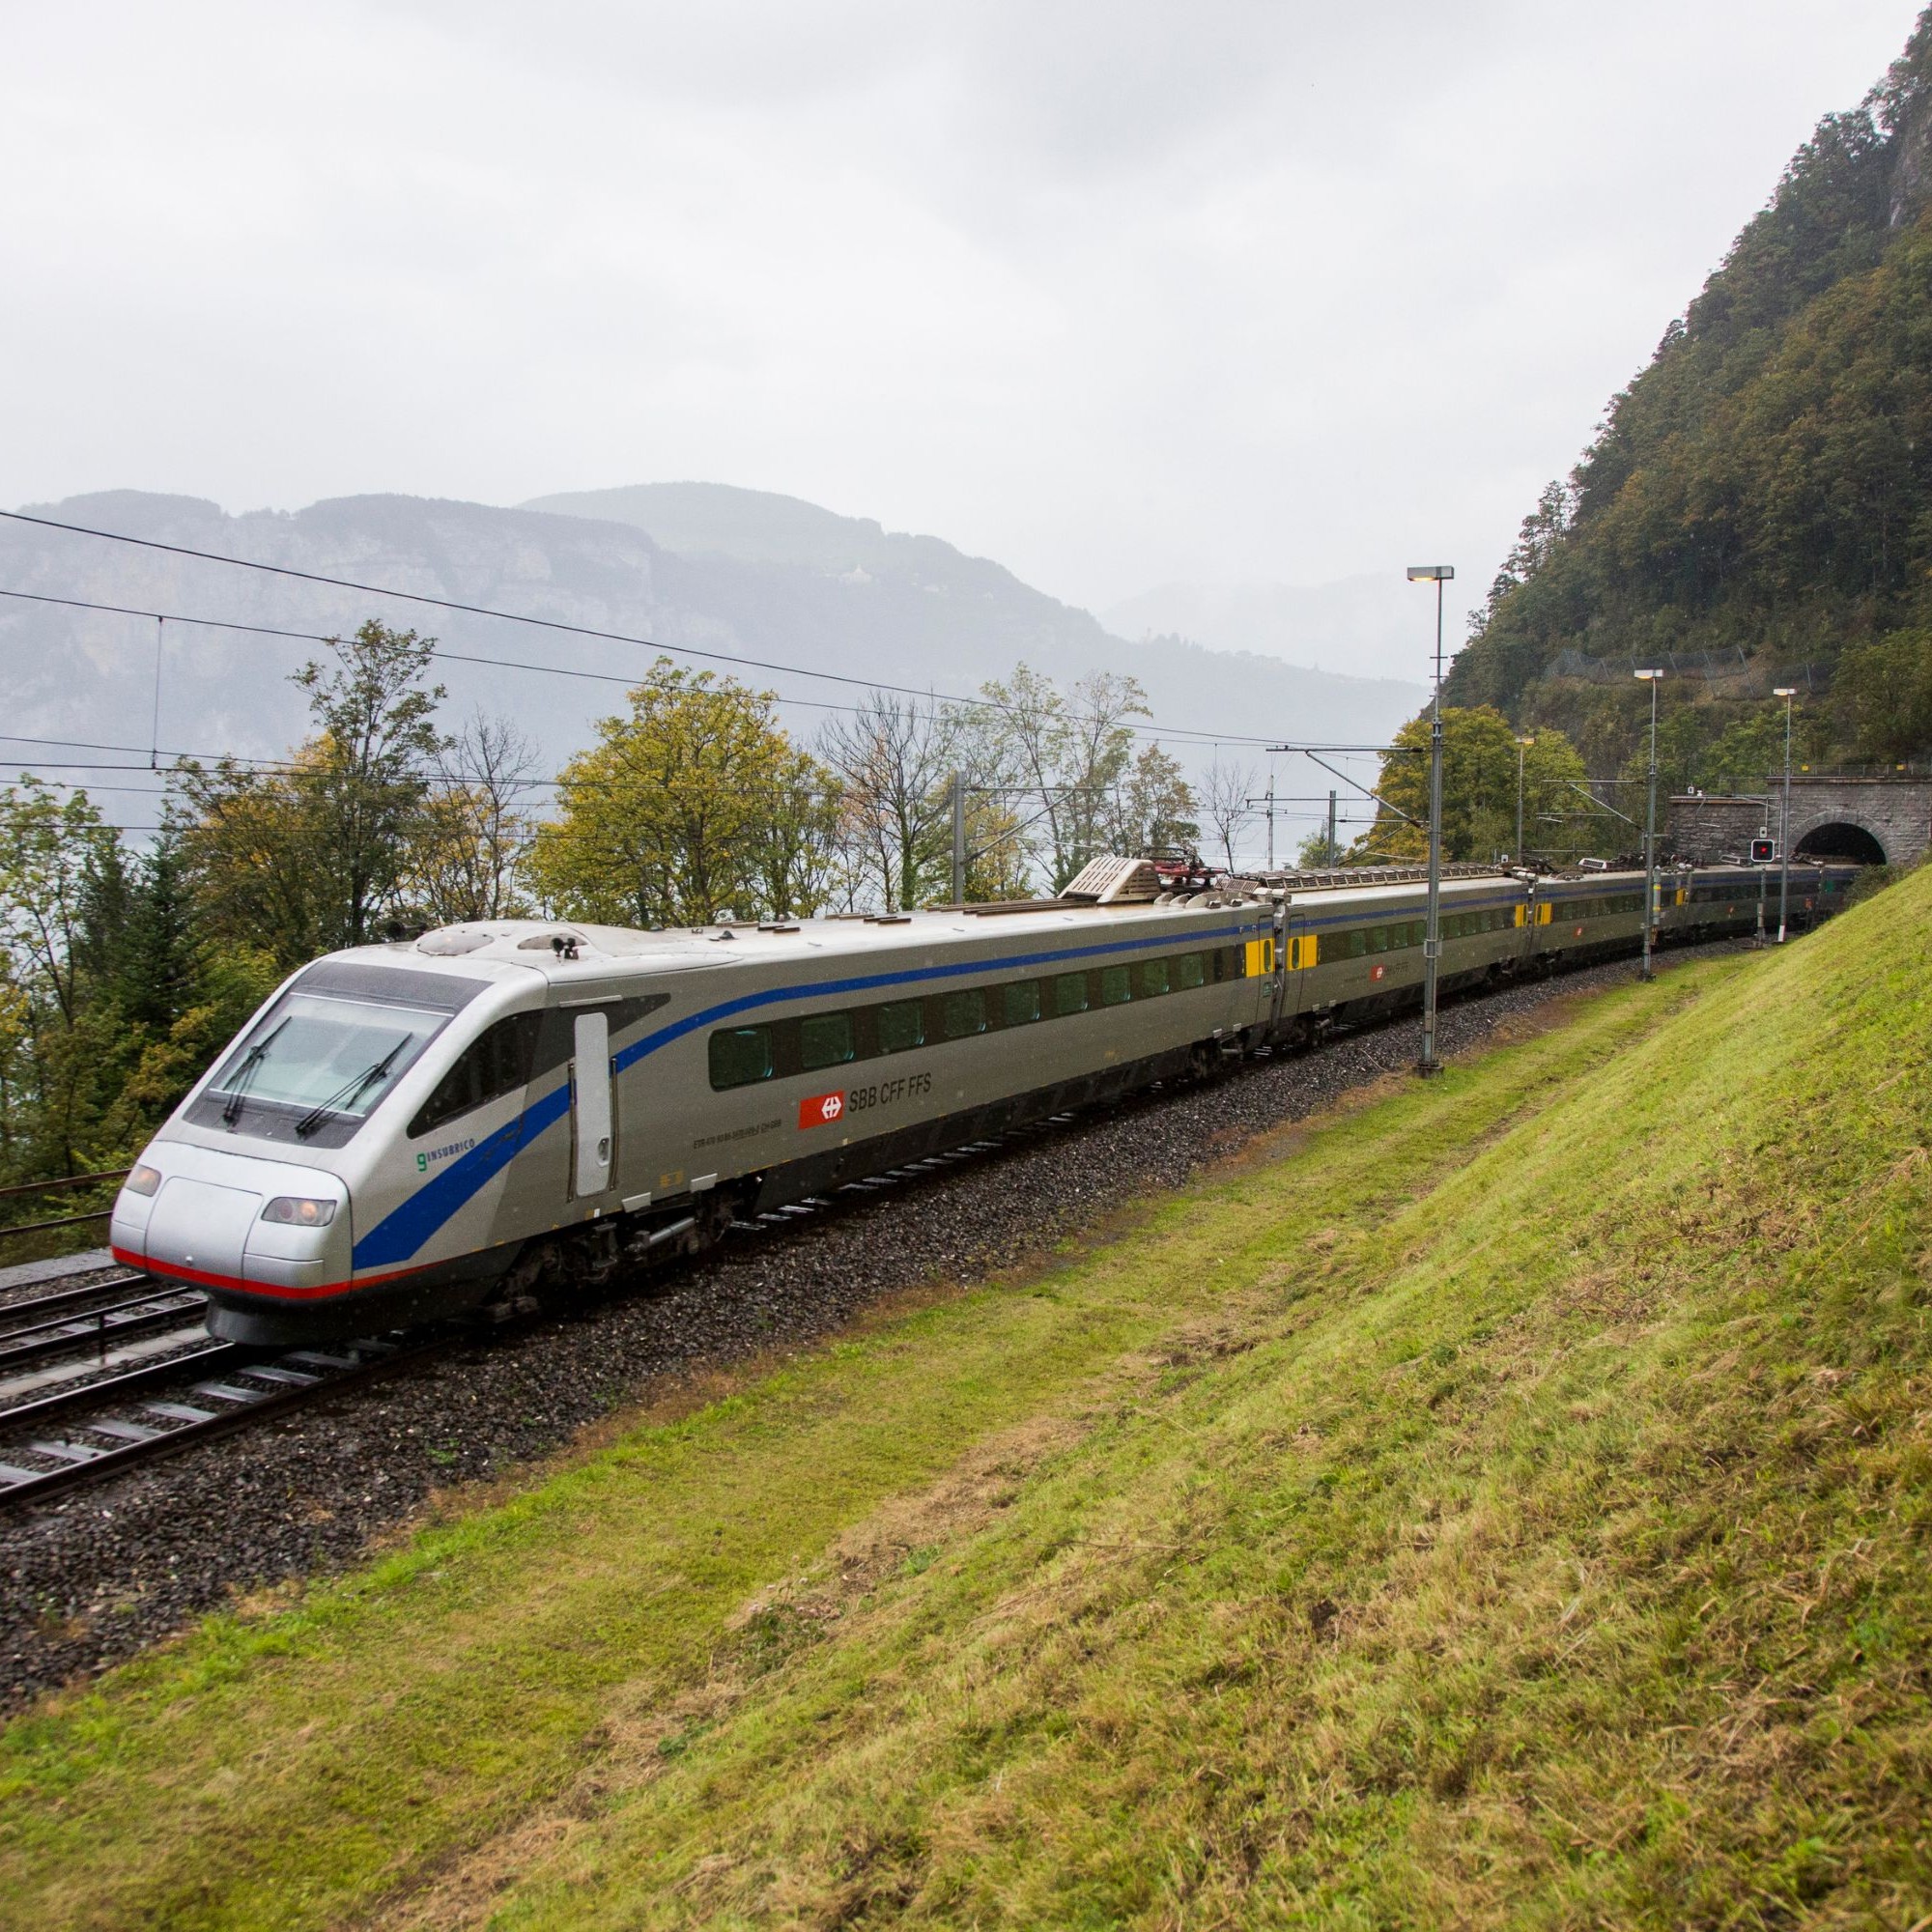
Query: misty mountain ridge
738,572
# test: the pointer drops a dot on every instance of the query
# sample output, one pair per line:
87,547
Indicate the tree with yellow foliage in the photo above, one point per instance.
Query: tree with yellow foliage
692,805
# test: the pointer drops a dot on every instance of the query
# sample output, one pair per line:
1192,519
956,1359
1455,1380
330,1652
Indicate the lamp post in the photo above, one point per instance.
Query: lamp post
1651,677
1437,574
1521,746
1787,692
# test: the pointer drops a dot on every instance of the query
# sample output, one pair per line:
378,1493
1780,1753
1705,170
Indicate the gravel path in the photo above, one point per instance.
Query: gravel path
87,1580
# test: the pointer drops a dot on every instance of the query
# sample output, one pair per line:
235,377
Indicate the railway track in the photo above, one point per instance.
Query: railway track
53,1443
96,1318
50,1443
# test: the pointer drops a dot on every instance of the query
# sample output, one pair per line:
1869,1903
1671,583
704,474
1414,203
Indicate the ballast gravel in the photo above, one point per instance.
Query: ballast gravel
90,1578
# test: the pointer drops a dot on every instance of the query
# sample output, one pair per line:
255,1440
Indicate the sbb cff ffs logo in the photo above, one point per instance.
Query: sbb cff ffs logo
821,1110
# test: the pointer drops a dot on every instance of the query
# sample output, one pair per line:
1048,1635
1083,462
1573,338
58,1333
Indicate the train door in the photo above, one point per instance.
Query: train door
1297,952
1277,965
590,1111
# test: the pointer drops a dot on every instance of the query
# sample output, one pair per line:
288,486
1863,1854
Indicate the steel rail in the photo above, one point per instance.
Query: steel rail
59,1221
66,1297
96,1327
210,1408
301,1376
20,1188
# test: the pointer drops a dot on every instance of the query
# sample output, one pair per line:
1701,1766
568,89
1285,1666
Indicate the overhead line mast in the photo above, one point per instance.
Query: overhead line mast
1437,574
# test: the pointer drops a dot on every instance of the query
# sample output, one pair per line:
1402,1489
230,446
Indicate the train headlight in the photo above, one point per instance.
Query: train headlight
142,1179
297,1211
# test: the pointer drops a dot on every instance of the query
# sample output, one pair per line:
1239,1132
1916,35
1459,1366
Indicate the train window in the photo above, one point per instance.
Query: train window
1069,994
1116,986
1020,1002
1376,939
1352,944
1154,978
1190,970
739,1055
963,1014
901,1025
824,1040
497,1062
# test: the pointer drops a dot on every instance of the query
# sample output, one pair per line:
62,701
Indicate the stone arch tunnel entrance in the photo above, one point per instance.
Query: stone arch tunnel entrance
1839,840
1833,815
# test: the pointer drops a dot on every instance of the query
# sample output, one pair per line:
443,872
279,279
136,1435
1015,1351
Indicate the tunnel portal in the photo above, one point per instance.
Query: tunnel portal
1839,840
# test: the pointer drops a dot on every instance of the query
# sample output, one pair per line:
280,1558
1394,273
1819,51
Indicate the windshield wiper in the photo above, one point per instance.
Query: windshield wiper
346,1096
250,1065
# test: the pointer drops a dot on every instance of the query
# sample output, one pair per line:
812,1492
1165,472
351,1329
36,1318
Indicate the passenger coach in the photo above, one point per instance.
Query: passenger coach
408,1130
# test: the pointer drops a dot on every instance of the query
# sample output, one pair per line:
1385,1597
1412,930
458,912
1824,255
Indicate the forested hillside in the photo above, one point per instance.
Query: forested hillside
1756,508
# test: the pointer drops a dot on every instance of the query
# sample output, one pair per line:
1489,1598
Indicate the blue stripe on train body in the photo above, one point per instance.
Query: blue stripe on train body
402,1231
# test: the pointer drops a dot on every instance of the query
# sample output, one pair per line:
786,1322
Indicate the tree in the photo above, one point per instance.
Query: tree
53,853
1882,693
670,818
794,849
319,854
1225,792
57,860
894,759
1151,805
467,857
1070,753
1311,854
1479,794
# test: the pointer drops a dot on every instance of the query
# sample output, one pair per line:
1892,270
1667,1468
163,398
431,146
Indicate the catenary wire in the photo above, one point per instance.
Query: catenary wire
559,625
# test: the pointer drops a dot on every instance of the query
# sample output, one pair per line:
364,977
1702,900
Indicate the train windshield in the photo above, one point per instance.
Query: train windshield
332,1057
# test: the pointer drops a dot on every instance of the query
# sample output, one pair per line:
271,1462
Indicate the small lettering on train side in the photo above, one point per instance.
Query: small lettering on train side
883,1092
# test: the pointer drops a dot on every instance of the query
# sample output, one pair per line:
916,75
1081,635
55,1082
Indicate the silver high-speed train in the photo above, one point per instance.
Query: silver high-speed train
407,1130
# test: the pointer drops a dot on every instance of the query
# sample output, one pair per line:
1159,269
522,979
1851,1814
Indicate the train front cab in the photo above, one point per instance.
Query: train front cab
265,1186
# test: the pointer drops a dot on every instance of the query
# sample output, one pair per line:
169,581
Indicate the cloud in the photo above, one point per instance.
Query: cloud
1117,293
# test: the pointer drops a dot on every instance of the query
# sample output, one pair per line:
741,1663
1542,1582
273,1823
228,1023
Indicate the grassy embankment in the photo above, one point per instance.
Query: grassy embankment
1509,1498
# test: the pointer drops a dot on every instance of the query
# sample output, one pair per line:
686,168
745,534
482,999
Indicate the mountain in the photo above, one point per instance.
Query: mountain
1756,509
696,566
1376,624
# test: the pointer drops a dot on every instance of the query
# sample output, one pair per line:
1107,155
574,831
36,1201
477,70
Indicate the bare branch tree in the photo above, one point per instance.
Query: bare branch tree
896,758
466,865
1223,794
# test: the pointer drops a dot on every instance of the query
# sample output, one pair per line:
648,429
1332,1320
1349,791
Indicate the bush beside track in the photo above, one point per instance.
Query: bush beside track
1505,1499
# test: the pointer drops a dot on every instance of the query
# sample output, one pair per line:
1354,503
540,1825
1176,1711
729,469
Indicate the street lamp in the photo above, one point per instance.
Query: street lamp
1787,692
1521,746
1437,574
1650,677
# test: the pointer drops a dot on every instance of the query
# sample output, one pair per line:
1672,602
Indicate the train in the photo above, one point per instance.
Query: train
476,1117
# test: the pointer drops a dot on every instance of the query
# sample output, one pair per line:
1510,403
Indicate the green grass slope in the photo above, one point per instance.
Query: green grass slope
1506,1501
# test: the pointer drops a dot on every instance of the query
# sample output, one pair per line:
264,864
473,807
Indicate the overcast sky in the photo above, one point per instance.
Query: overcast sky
1112,291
